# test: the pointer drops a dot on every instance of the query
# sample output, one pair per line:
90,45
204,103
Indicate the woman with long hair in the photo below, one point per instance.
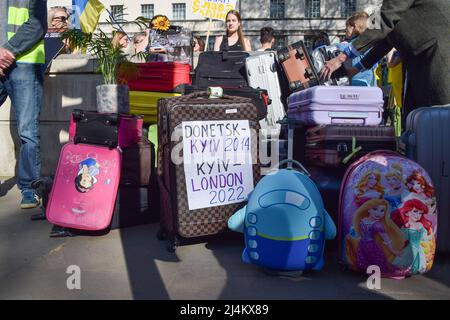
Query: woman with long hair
396,186
376,239
234,35
120,40
416,228
420,189
369,187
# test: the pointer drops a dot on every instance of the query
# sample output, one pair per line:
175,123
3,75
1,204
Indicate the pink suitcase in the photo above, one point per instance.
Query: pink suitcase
130,129
85,187
337,105
388,216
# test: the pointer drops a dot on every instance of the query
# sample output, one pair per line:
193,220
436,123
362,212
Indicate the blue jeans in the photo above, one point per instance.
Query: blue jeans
23,84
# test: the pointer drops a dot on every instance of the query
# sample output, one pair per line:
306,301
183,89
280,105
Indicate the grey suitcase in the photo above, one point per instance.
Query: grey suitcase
262,72
427,139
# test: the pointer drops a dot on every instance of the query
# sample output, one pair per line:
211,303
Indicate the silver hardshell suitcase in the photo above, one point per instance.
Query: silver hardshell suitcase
262,72
427,139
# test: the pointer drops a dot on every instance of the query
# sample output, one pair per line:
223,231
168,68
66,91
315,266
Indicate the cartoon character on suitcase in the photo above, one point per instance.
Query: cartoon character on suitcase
387,216
86,177
85,187
285,223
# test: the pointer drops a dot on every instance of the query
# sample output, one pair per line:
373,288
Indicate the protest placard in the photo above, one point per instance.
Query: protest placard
217,160
214,9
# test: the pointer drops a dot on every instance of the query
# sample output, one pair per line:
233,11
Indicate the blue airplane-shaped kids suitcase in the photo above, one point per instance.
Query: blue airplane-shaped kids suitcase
285,223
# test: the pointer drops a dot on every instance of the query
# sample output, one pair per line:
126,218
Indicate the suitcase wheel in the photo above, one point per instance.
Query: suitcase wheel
77,115
112,121
300,54
283,55
161,235
172,246
294,85
308,73
343,267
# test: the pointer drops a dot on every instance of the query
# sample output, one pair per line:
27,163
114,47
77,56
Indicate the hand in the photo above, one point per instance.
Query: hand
2,74
6,58
331,66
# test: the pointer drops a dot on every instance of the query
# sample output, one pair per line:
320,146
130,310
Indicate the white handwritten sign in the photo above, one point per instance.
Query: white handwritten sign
217,162
214,9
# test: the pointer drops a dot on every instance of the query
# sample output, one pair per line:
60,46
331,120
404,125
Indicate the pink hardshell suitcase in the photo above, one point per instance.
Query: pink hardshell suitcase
337,105
130,129
387,216
85,187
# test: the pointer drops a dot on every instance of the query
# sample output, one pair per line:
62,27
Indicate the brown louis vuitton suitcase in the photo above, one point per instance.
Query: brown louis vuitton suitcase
298,67
339,145
199,195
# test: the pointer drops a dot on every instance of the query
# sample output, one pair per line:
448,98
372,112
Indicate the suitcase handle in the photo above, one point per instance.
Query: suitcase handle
147,76
349,115
98,141
204,94
83,115
298,164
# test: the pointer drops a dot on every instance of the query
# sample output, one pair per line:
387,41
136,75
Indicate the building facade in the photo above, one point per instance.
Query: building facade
292,20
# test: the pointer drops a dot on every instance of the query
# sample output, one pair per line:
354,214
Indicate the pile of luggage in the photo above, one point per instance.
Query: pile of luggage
209,164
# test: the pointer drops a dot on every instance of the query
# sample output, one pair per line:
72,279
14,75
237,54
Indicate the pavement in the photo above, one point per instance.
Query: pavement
132,264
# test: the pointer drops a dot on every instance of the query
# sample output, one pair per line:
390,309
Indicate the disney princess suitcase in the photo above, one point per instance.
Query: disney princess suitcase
263,72
85,187
427,142
387,216
337,105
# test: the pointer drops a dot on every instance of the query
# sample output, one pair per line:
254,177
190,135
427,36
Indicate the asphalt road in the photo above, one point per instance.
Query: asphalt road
132,264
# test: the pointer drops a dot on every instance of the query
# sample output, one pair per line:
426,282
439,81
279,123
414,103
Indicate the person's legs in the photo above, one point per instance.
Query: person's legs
25,88
428,80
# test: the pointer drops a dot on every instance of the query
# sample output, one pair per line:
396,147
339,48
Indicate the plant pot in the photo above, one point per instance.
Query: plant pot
113,98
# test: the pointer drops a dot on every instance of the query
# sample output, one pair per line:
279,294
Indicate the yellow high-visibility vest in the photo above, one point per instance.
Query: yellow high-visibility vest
16,18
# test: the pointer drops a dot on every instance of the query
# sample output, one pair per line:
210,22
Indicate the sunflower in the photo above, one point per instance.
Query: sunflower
160,23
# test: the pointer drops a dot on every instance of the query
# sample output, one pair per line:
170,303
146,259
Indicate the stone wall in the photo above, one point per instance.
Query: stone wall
69,84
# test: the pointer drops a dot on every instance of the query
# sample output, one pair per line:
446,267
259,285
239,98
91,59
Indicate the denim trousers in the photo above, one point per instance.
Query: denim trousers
23,84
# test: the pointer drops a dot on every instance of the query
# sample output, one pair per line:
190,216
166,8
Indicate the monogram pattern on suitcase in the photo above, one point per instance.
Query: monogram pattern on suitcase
205,221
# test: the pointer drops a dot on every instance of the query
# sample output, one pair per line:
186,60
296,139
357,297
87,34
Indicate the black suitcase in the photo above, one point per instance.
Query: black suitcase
138,160
96,128
217,69
136,205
